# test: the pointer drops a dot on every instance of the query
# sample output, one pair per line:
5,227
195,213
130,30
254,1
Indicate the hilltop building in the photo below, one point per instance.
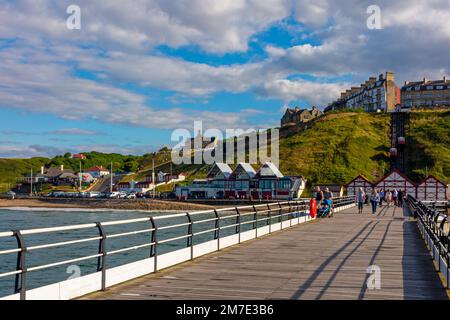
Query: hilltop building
244,182
426,93
79,156
376,94
297,116
97,171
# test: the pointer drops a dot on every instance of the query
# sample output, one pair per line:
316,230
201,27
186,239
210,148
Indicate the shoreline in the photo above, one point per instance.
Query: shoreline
144,205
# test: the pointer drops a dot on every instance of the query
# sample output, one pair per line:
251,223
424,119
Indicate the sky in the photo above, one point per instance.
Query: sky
136,71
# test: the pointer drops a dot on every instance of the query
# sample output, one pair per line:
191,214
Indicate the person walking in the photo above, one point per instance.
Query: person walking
360,197
328,195
388,197
374,199
319,196
381,197
394,196
400,198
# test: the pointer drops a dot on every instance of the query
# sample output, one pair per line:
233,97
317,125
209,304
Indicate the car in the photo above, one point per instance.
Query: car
131,196
113,195
122,195
11,195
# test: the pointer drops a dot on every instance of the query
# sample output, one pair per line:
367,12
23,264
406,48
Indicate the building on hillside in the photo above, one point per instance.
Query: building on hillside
297,116
97,171
243,183
134,186
431,189
55,175
359,182
86,177
162,177
376,94
426,93
79,156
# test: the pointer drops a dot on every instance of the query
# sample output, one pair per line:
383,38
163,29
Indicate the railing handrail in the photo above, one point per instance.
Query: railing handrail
271,210
433,223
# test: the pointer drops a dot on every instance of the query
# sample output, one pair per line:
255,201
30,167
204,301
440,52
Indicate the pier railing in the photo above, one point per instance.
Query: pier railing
434,226
224,227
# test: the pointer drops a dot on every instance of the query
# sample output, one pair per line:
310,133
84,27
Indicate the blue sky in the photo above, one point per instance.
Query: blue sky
133,74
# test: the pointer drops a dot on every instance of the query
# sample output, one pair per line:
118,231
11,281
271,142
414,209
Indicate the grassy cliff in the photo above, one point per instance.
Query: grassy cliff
428,145
338,147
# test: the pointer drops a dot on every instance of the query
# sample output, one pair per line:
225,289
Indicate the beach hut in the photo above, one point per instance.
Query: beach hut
397,180
359,182
431,189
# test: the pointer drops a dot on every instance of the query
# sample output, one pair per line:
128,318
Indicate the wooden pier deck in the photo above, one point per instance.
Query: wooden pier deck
323,259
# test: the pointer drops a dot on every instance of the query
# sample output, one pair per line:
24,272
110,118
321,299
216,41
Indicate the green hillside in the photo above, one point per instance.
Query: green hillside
429,145
11,169
338,147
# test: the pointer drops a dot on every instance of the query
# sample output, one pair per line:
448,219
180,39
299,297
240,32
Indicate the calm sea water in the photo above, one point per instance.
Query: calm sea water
36,218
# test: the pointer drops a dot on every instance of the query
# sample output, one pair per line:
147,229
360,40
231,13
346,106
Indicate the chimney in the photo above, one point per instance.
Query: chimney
42,170
425,80
389,76
445,79
406,83
62,167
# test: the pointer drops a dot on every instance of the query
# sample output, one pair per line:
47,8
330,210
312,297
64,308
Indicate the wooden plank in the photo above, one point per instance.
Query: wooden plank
325,259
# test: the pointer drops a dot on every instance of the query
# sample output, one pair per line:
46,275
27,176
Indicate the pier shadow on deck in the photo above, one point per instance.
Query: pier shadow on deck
325,259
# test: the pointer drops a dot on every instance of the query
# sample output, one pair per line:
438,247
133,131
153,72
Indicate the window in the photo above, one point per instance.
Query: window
439,87
429,87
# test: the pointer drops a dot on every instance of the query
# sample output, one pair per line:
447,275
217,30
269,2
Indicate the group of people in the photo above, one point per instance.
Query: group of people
324,202
391,197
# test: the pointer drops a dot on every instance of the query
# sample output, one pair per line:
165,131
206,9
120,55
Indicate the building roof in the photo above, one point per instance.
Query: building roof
222,168
244,167
269,169
402,175
424,83
359,177
96,168
432,177
54,172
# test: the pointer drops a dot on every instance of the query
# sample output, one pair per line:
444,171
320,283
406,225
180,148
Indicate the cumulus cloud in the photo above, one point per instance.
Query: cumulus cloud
216,26
37,72
292,90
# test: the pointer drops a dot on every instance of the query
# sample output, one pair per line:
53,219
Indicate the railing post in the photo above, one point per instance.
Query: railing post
21,265
217,227
153,248
238,224
190,239
101,260
255,218
153,238
269,216
280,215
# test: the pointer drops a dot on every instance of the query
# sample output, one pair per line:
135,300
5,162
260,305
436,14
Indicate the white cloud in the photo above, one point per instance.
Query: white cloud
216,26
36,73
75,132
292,90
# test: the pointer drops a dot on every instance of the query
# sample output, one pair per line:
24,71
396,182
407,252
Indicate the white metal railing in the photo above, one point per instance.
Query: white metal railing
434,226
272,217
